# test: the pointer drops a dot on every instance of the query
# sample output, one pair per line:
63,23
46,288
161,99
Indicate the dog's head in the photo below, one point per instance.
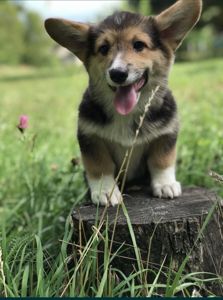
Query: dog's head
126,51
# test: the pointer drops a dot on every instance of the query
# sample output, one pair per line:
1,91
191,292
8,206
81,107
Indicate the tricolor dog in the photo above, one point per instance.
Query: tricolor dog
127,56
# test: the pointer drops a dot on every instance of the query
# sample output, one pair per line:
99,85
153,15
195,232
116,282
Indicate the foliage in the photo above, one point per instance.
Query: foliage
22,37
142,7
37,50
39,186
11,34
199,44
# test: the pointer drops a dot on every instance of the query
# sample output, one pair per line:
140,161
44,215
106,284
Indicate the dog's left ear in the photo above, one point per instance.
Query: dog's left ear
71,35
175,22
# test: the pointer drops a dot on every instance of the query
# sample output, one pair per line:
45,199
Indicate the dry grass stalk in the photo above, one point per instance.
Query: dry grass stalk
216,176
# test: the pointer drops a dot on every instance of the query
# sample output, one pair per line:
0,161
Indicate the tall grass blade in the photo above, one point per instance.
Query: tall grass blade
39,268
25,278
153,286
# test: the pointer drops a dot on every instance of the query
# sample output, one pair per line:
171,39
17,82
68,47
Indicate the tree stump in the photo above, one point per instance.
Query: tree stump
165,230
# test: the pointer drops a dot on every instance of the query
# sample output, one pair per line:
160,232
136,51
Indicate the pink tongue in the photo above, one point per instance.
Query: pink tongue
125,99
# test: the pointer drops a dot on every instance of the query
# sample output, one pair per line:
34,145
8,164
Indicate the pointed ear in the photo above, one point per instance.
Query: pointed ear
71,35
175,22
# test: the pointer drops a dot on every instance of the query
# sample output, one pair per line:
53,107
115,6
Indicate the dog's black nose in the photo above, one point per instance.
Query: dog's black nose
118,75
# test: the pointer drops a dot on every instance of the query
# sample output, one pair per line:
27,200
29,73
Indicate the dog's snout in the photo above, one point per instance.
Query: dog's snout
118,75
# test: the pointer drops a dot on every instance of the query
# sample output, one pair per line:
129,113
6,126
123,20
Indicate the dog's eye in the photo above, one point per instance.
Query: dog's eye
139,46
104,49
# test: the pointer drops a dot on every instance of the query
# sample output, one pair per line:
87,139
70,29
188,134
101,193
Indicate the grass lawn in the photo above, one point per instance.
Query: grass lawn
39,186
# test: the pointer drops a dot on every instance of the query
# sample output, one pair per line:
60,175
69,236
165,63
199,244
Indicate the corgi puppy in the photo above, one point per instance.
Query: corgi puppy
127,56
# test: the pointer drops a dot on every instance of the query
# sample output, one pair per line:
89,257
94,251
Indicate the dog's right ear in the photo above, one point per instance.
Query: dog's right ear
71,35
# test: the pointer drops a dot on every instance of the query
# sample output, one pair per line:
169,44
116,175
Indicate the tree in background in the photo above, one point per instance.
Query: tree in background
142,7
22,37
37,44
11,34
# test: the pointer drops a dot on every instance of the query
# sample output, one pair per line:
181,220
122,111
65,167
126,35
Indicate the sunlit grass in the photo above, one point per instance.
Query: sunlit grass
198,89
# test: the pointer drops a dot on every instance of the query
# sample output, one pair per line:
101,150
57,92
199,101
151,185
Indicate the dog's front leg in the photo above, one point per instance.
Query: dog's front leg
100,170
161,163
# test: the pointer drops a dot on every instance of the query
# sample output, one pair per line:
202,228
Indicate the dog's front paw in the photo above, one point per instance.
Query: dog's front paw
105,191
168,190
106,197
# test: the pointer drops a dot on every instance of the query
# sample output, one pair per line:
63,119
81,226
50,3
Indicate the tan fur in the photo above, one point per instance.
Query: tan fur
98,162
125,39
160,159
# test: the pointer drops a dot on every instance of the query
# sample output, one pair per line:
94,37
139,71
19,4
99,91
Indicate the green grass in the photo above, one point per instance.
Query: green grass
39,186
199,90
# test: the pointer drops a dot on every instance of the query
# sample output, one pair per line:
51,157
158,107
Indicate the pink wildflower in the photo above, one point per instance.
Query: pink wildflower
23,123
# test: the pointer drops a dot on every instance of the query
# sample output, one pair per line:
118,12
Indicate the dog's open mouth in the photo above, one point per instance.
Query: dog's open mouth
126,97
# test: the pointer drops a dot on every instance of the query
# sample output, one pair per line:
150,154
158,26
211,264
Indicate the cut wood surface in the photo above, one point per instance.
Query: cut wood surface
165,229
144,209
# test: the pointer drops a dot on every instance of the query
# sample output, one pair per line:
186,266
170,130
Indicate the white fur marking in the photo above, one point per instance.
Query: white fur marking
164,183
119,63
104,191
